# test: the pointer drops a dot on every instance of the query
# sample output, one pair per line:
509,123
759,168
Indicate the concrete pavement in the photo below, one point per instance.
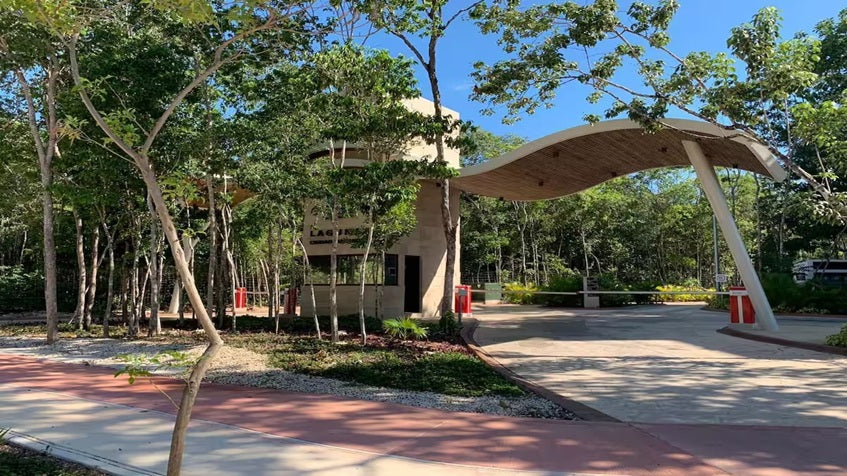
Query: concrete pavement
749,408
84,413
666,364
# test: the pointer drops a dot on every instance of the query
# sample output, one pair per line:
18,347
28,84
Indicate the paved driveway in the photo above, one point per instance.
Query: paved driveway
666,364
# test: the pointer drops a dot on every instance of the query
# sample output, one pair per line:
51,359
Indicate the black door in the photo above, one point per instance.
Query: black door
412,280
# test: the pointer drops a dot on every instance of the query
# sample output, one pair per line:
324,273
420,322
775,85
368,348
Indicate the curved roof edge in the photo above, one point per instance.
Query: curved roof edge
759,150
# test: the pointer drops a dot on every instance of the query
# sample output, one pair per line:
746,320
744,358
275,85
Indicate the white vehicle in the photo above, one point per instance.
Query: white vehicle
828,271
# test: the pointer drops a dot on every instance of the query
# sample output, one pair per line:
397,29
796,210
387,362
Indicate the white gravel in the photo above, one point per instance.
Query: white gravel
238,366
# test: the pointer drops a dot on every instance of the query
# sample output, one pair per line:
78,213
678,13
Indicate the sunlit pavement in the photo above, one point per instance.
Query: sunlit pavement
744,406
85,414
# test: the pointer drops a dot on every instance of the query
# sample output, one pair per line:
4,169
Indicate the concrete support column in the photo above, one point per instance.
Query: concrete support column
714,193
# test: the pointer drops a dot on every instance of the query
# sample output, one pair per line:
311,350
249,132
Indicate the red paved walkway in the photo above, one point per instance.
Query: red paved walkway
463,438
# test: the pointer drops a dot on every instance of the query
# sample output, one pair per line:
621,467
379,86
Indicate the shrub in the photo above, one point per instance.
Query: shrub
814,296
447,323
567,283
519,294
404,329
692,297
20,290
838,340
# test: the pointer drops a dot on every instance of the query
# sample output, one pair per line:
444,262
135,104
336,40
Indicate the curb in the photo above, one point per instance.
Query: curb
72,455
827,349
793,315
580,410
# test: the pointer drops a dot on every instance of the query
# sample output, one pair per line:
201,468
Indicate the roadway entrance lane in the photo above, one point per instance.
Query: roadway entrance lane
666,364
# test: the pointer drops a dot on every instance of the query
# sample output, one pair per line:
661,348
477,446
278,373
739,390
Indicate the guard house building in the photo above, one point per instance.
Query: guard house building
553,166
414,267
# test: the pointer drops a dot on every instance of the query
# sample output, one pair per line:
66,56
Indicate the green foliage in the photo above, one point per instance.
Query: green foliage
567,283
404,329
768,87
20,290
838,340
812,297
447,323
692,297
145,365
517,293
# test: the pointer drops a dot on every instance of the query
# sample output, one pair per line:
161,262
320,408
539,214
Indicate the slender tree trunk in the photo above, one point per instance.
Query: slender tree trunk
132,329
213,245
276,276
80,263
308,278
92,280
124,296
154,327
110,282
227,251
333,277
363,279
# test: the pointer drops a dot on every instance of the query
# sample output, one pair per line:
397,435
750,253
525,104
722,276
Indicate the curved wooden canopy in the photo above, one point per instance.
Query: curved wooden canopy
579,158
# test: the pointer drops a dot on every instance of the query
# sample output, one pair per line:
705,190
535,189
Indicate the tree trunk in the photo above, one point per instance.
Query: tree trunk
81,269
213,245
154,326
362,283
110,280
333,277
92,280
226,214
307,273
50,295
132,328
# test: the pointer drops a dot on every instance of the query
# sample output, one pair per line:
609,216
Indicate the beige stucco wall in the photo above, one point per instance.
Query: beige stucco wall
426,241
420,148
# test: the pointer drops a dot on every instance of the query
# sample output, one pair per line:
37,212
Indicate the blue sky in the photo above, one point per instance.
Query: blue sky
699,25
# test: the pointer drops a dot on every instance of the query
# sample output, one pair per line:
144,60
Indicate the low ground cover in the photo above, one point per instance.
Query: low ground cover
439,364
17,461
442,367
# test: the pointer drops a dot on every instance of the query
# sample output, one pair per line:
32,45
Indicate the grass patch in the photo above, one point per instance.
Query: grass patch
17,461
424,366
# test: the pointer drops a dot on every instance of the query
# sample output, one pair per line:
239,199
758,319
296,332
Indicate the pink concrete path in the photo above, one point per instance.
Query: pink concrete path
426,434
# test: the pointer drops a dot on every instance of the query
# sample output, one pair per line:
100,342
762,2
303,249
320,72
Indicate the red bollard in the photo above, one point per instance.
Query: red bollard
290,305
740,307
240,298
462,300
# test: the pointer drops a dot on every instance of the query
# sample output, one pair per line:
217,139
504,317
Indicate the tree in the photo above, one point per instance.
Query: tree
428,21
235,26
32,58
557,43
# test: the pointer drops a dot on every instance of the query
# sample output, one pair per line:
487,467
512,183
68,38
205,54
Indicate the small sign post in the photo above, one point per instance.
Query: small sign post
720,278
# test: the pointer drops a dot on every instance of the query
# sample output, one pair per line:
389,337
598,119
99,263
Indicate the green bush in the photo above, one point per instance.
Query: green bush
840,339
814,296
447,323
404,329
567,283
692,297
520,294
20,290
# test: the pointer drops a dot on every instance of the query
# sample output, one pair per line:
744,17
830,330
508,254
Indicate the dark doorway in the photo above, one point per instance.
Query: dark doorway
412,280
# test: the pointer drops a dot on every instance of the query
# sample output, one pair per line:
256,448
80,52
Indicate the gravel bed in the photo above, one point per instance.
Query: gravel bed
236,366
